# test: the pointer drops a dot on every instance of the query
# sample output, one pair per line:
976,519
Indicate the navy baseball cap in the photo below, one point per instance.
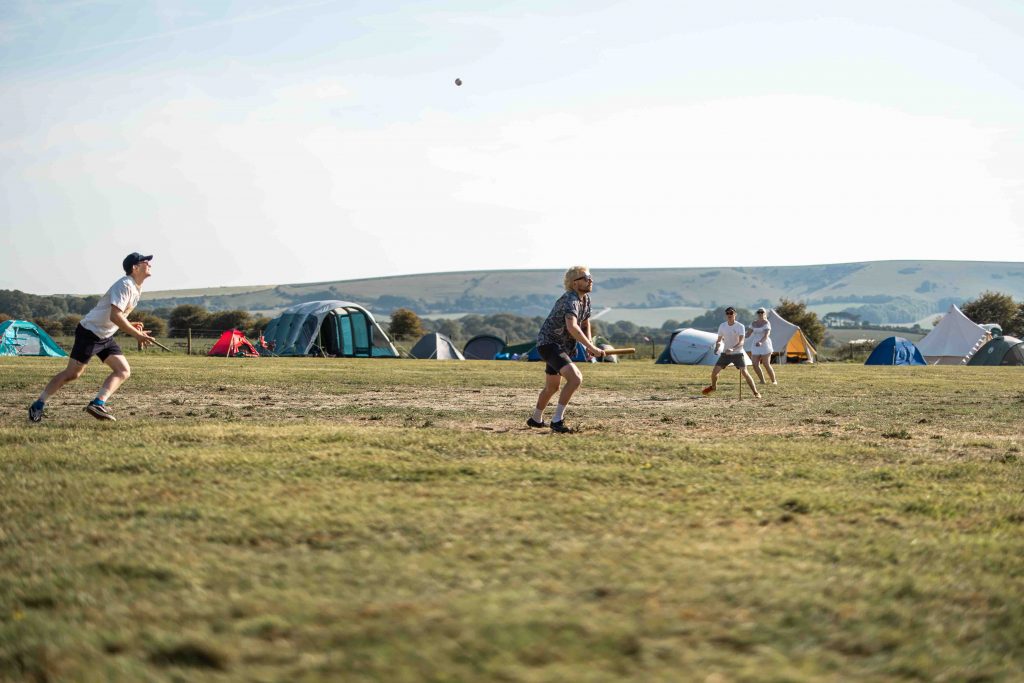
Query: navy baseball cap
132,260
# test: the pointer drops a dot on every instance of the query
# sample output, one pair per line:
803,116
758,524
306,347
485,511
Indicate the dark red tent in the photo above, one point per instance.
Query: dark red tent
233,343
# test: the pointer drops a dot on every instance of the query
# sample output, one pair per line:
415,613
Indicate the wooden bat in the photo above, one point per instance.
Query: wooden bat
154,341
162,346
619,352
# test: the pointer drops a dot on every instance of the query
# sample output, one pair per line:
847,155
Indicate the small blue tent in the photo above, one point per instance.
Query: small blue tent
23,338
895,351
579,357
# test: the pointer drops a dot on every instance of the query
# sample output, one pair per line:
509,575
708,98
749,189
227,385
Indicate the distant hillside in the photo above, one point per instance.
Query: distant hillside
881,291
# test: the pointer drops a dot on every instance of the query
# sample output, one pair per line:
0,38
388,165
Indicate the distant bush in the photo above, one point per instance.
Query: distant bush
405,324
69,322
229,320
995,307
188,316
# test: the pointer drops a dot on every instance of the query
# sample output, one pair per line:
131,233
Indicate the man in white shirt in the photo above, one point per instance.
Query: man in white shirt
94,336
729,346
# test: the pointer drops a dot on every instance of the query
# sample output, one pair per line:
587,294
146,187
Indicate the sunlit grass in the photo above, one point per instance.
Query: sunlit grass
395,520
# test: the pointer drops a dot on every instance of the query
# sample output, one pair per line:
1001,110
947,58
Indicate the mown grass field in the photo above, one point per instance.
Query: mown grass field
306,519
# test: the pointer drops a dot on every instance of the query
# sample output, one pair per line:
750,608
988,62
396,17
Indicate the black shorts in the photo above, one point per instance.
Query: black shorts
88,345
554,357
727,359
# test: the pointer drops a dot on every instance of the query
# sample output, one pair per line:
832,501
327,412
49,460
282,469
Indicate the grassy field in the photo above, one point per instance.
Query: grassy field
304,520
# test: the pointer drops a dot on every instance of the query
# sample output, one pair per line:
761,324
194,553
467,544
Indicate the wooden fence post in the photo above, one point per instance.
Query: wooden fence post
189,347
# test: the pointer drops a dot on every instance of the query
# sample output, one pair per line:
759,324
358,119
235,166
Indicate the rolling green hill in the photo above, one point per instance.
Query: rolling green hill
881,291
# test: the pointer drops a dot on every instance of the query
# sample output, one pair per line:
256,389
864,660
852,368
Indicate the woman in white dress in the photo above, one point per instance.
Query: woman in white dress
761,350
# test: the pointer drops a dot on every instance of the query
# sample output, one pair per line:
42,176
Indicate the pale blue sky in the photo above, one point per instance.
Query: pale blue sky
277,142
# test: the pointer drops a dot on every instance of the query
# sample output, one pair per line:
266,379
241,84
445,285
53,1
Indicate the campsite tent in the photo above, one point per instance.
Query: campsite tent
1000,351
24,338
895,351
435,346
688,346
337,328
232,344
952,340
483,347
788,340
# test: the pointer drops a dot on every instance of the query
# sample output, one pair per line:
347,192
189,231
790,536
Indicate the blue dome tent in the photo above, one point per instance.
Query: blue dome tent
895,351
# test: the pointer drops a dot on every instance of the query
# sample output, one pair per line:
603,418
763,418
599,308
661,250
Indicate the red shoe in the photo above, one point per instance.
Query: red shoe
707,390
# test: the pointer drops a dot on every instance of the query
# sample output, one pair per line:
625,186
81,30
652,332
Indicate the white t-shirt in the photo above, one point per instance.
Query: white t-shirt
125,295
732,336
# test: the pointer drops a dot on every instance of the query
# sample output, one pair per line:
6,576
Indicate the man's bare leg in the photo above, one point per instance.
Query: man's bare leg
544,398
573,380
750,382
72,372
119,372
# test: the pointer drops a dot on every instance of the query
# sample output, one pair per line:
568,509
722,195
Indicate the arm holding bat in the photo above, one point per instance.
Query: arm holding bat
118,318
582,336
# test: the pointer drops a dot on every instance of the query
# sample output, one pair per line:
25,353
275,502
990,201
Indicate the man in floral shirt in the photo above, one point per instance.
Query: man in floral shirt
568,323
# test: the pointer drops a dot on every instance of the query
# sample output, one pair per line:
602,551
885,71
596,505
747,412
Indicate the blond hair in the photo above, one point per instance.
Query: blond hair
572,274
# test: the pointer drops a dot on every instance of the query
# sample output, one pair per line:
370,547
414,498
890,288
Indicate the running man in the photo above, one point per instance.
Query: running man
568,322
729,345
94,336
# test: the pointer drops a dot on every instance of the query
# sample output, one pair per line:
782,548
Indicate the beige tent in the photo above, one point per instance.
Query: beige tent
955,339
788,340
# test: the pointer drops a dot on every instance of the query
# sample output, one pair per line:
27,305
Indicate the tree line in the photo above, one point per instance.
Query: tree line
406,325
62,317
60,314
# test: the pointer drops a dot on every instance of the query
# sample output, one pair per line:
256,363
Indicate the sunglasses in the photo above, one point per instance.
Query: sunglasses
588,278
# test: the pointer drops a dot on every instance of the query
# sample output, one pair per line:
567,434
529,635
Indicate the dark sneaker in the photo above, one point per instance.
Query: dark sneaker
560,427
99,412
35,412
530,422
707,390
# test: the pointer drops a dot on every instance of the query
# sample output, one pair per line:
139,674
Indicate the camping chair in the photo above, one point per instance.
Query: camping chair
265,348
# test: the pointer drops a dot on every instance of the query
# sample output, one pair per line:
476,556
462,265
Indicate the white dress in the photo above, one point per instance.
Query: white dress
756,335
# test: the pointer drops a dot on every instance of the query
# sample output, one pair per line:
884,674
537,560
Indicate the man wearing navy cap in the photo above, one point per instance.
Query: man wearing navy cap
94,336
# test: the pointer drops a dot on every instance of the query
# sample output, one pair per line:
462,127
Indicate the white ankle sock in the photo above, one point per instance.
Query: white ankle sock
538,415
559,413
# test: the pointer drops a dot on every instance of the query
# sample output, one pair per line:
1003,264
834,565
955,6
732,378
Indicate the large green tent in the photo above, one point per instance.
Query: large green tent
329,328
999,351
24,338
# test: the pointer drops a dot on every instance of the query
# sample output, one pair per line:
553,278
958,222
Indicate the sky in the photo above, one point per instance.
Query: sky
256,142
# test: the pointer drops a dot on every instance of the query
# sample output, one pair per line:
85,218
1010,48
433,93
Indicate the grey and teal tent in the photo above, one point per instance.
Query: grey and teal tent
483,347
24,338
999,351
435,346
895,351
331,328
